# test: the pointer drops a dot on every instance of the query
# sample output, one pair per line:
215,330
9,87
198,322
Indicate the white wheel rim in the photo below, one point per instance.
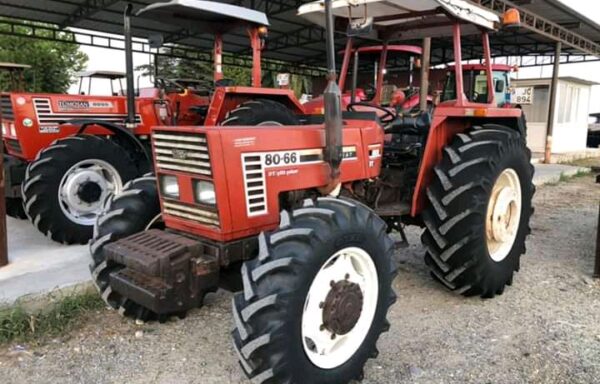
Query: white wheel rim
269,123
356,266
503,215
98,172
155,222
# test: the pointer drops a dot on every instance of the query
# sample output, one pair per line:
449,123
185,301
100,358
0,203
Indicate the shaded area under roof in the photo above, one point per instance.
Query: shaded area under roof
292,39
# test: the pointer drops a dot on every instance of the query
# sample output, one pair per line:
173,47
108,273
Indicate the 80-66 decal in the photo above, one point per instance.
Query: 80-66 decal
283,158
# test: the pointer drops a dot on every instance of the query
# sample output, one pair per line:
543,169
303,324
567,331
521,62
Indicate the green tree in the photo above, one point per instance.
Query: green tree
173,68
53,63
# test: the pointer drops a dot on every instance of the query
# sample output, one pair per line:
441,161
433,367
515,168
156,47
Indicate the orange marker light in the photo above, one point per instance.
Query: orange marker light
263,31
511,18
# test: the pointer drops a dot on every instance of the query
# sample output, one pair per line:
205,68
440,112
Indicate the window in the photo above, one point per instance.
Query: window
568,103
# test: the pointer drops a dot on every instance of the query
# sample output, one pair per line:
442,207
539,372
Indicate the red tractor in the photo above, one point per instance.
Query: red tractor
374,79
67,153
298,217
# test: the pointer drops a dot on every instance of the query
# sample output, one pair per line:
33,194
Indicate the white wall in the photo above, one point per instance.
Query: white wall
571,117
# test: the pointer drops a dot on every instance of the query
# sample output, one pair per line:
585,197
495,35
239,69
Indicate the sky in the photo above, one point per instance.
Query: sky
114,60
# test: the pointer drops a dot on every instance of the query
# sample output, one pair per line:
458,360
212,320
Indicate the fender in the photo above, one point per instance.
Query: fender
119,131
227,98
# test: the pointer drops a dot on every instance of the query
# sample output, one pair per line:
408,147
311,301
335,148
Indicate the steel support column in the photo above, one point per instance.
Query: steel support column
425,64
597,264
552,108
3,236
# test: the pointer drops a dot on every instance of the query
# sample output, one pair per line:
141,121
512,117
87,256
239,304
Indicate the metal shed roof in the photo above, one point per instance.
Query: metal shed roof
299,42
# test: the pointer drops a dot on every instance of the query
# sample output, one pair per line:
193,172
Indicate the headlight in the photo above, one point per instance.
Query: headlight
204,192
169,186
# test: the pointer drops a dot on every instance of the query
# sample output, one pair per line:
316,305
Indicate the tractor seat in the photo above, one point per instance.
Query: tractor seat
410,124
202,110
225,83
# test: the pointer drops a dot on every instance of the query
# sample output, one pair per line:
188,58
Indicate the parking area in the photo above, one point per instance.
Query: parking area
544,329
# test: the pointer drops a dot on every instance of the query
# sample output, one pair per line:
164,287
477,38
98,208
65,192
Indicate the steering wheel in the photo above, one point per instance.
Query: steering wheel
167,84
370,91
387,117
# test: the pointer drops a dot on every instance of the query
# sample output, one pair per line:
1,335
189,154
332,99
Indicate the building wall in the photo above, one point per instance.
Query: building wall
571,115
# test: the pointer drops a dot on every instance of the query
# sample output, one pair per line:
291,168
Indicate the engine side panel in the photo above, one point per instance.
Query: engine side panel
251,167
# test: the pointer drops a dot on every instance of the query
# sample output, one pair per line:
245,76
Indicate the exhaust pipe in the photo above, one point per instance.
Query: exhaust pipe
130,122
332,98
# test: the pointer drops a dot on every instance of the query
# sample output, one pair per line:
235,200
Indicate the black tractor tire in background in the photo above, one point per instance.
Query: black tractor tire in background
457,250
14,208
261,112
135,209
268,313
40,189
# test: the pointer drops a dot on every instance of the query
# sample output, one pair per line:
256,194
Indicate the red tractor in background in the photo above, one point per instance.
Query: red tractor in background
67,153
14,80
297,217
374,82
475,83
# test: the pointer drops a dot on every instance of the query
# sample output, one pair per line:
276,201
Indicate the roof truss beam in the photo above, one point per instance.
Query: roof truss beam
85,10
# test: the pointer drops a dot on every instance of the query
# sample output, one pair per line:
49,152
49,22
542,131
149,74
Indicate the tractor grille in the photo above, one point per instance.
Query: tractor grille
13,146
179,151
6,107
191,212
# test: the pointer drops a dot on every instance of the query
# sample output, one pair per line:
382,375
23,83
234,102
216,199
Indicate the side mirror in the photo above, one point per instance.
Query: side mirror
500,86
156,41
360,27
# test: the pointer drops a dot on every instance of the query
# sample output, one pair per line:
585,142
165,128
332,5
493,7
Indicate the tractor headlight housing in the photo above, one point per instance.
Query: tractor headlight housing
169,186
204,192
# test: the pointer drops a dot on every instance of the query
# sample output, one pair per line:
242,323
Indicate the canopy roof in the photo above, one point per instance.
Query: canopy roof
111,75
405,19
203,16
293,39
14,66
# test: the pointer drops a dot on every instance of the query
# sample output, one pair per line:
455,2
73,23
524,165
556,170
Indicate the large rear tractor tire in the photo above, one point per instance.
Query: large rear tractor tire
66,185
261,112
480,204
14,208
316,297
135,209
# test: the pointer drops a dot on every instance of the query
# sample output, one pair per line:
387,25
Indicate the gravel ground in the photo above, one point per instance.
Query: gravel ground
544,329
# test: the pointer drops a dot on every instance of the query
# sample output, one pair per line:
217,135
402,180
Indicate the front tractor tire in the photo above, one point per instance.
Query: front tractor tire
66,185
316,297
261,112
480,204
14,208
134,210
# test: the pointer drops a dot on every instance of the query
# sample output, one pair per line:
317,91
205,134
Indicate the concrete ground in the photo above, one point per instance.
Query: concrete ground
544,329
38,265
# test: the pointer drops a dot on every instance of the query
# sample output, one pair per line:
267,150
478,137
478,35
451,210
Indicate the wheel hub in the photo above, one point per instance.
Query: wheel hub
506,201
84,187
89,192
339,307
343,306
503,215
